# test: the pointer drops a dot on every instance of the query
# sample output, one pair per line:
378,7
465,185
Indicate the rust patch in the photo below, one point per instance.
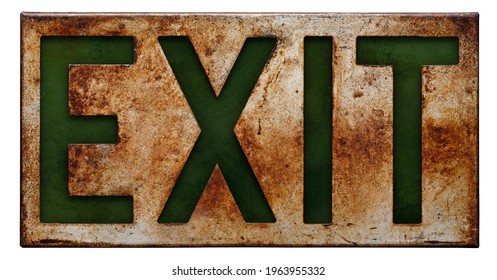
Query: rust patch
216,203
358,94
157,131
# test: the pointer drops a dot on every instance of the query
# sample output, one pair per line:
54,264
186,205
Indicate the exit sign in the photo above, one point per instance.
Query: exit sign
249,129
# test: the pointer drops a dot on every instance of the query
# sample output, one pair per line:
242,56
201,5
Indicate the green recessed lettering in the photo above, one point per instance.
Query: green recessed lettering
58,129
317,129
217,143
407,55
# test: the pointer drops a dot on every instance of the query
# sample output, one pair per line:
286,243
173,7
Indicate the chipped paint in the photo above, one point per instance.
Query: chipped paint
148,102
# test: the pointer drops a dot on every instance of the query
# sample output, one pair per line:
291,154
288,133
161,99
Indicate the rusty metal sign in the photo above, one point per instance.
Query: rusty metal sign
249,130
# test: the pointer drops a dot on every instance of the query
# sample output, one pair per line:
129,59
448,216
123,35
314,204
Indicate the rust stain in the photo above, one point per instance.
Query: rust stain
158,130
216,203
358,94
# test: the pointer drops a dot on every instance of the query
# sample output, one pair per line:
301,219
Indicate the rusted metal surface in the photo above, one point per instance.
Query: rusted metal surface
157,129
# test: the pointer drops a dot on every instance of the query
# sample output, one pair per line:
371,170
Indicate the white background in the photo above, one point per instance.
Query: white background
156,263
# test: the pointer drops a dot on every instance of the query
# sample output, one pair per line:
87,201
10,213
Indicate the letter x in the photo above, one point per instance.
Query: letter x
217,117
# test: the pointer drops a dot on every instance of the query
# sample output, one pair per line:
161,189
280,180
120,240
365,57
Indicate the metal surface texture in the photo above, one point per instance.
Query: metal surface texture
157,130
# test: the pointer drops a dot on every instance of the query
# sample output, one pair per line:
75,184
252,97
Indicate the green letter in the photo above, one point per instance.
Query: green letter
58,129
317,129
407,55
217,143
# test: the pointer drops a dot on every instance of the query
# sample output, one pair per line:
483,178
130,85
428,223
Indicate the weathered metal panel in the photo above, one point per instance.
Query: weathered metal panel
157,130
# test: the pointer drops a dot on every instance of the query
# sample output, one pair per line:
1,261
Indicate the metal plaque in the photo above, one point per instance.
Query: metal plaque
249,129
